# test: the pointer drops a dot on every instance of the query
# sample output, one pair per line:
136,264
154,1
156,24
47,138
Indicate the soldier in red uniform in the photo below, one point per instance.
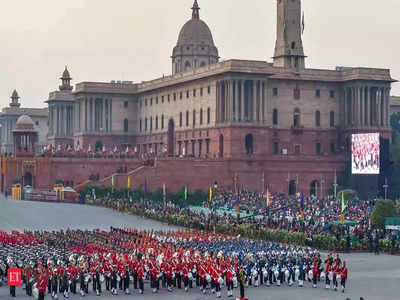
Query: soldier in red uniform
229,281
343,273
42,284
140,274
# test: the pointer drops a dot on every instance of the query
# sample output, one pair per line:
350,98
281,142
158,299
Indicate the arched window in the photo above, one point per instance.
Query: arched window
187,65
156,122
332,119
208,115
180,119
187,118
318,118
275,117
194,118
201,116
126,125
296,118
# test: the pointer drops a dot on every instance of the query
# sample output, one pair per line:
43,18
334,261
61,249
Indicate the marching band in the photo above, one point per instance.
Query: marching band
123,260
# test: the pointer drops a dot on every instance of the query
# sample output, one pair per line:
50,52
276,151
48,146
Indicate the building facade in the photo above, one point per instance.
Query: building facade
8,120
278,113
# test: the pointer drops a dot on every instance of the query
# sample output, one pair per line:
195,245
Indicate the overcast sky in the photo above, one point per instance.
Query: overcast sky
103,40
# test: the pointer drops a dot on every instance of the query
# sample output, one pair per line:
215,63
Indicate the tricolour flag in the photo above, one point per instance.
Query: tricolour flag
343,208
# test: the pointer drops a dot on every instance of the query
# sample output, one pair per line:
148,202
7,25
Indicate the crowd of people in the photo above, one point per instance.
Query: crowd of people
309,215
98,262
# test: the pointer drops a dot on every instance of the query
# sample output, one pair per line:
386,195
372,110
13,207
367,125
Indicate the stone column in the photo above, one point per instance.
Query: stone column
217,102
345,109
231,100
361,106
237,101
379,107
242,83
369,113
103,113
227,99
387,108
110,114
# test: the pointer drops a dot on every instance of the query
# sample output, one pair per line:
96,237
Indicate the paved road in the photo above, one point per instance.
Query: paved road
372,277
19,215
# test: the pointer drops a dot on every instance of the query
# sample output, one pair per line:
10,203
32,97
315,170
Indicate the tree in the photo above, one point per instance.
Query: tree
382,210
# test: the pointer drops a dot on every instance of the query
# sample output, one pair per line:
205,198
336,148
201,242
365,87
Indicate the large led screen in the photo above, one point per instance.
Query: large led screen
365,153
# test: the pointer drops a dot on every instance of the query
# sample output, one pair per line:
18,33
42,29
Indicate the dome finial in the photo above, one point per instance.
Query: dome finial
66,81
196,10
14,99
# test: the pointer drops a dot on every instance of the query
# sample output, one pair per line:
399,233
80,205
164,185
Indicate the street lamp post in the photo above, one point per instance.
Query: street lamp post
386,186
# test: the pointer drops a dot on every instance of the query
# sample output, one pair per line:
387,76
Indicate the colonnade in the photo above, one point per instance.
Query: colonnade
240,100
61,119
366,106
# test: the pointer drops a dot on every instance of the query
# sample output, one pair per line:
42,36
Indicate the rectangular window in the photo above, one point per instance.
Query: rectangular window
145,102
174,96
126,104
168,98
145,124
187,94
332,93
318,148
157,100
151,101
296,93
297,149
207,146
209,90
194,92
201,92
187,118
333,148
318,93
140,125
276,148
275,92
180,95
162,99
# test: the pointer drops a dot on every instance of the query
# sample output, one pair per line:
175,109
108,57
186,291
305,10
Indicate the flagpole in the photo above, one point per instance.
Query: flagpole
263,183
335,185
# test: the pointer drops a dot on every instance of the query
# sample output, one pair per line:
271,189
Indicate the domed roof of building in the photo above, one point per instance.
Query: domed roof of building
25,123
66,74
195,31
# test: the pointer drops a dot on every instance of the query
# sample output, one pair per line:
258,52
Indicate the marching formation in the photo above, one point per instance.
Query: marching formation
126,260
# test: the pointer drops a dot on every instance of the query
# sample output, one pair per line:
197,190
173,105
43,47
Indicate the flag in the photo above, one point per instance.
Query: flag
112,180
343,208
129,182
186,193
164,188
343,205
210,194
302,205
268,199
302,24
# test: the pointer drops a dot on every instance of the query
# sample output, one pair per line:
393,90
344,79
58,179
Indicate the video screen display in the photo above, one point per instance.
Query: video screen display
365,154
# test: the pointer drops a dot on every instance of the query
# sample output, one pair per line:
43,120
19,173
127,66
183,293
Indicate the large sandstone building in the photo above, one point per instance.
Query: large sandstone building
8,119
250,123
